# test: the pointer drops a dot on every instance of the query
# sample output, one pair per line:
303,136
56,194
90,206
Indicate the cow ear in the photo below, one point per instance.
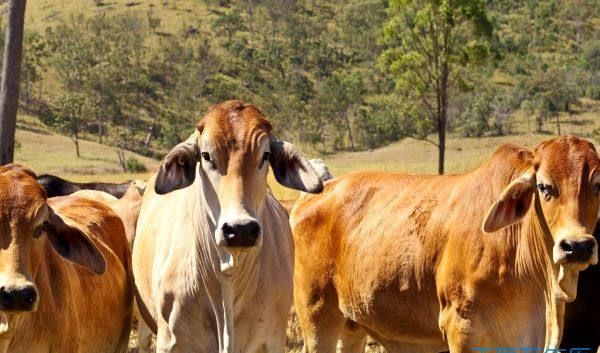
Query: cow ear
512,205
74,245
178,169
292,169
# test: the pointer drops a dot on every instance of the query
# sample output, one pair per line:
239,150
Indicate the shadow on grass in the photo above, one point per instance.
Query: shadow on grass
37,130
578,122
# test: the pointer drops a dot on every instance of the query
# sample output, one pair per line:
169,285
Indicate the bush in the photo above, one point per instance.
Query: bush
134,166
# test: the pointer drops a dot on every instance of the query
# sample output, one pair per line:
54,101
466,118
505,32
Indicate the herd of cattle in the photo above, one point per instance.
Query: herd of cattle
209,260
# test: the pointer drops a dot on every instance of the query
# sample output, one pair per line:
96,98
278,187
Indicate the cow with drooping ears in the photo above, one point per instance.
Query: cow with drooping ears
65,271
427,263
213,255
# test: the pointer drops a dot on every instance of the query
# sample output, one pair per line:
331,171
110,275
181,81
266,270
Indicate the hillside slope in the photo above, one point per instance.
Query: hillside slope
47,152
173,14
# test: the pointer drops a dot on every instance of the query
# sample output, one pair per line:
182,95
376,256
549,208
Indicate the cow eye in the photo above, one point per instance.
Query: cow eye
206,157
265,158
40,230
596,189
546,190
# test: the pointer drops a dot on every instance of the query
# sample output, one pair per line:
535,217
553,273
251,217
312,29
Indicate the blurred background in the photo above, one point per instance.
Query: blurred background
109,86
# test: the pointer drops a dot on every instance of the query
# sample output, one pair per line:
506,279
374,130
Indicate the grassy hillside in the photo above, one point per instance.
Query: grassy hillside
173,14
47,152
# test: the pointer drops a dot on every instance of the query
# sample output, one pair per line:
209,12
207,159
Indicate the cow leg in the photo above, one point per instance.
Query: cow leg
353,339
401,347
166,341
321,321
459,337
144,337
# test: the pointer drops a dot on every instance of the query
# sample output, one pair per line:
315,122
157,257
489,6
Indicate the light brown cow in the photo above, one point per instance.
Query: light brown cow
213,261
405,258
65,274
128,209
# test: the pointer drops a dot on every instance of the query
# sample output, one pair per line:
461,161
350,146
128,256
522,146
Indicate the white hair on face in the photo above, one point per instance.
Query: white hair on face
321,169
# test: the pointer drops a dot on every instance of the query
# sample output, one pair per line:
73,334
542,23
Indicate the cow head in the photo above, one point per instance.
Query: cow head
27,226
565,180
235,148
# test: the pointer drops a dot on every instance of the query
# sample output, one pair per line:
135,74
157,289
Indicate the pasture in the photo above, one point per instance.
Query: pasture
35,143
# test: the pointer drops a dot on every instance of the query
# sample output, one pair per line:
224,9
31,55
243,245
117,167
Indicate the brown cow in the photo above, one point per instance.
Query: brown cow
404,257
65,274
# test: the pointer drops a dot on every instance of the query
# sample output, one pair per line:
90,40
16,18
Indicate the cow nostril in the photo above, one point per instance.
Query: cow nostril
566,246
29,295
5,296
228,231
588,247
254,231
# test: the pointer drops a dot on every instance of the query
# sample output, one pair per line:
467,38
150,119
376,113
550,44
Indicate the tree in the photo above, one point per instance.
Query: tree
71,116
428,43
32,65
11,73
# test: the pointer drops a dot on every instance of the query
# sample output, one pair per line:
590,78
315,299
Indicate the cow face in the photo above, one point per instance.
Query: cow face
27,226
235,147
565,177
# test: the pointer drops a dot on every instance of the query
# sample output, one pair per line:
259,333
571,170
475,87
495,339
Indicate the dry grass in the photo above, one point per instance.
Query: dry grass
48,152
174,14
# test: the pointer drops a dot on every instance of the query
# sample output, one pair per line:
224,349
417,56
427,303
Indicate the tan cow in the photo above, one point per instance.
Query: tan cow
65,275
213,260
128,209
405,258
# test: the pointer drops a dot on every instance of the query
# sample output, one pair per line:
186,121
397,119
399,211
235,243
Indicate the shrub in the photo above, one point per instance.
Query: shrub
134,166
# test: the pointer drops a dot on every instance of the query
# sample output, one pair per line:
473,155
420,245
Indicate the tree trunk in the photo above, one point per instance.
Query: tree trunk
100,129
558,123
442,117
11,72
76,142
76,137
349,130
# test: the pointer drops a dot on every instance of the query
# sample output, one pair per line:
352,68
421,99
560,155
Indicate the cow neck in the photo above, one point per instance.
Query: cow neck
245,278
534,257
243,282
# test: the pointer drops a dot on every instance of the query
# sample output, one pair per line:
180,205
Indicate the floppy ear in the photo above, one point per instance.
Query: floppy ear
73,245
178,169
292,169
513,203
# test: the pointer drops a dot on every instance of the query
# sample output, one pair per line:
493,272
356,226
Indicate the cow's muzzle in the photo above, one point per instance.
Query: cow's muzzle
581,249
16,299
241,234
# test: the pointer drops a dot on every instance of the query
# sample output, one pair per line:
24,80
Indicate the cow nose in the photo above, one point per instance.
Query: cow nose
242,234
18,299
578,250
